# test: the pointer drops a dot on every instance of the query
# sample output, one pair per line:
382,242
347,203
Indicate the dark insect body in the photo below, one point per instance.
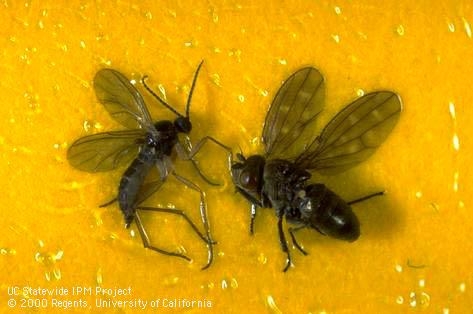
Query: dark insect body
146,145
279,179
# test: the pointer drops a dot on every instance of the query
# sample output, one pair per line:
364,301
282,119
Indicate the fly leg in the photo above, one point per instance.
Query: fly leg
108,203
204,140
252,217
201,174
147,243
192,151
183,151
294,241
254,206
203,216
176,212
283,242
364,198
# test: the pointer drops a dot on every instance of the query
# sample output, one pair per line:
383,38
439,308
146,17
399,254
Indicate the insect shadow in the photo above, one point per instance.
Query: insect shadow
279,179
147,146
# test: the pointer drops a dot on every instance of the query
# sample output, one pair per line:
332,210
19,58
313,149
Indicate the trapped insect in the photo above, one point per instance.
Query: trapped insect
147,145
279,179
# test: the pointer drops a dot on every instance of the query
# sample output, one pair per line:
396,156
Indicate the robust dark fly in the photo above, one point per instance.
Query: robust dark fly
146,145
279,179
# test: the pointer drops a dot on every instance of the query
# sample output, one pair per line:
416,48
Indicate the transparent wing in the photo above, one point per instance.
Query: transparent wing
353,134
289,121
105,151
122,100
148,189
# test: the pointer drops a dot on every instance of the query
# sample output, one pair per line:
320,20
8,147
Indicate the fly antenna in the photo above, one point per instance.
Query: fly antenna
165,104
240,155
194,81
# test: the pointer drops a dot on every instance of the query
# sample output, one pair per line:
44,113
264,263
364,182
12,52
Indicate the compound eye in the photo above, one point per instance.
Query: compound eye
248,180
183,124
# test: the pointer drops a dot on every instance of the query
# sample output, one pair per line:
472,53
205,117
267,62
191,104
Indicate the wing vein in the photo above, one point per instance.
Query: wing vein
309,101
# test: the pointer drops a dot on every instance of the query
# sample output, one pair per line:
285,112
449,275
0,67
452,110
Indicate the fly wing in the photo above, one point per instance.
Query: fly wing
122,100
353,134
290,119
148,189
153,183
105,151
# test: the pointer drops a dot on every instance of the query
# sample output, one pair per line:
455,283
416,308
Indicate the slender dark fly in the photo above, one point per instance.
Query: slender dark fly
279,179
147,146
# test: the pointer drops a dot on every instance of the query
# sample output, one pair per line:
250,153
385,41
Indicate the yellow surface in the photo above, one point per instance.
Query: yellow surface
415,252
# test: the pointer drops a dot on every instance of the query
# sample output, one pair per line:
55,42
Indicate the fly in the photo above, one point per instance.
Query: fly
146,145
279,179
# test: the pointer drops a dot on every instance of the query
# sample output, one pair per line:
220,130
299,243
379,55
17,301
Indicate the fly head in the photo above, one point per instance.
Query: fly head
247,175
183,124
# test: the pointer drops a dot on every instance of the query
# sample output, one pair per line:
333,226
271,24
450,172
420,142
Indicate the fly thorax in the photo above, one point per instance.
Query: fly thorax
147,154
285,171
165,139
282,179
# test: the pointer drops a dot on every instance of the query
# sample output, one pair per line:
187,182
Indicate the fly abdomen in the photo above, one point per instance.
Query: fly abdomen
328,213
132,180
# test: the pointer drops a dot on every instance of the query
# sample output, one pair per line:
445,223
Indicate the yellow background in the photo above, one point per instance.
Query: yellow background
415,252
